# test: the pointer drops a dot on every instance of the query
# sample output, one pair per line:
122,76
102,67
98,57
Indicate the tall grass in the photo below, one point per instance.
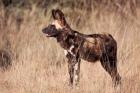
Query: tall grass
39,64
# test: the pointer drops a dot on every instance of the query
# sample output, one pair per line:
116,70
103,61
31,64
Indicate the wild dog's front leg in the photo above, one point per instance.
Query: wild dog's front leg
74,71
70,68
77,72
71,73
74,68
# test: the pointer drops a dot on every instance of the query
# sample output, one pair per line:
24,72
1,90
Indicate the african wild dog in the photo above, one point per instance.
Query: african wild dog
79,46
88,47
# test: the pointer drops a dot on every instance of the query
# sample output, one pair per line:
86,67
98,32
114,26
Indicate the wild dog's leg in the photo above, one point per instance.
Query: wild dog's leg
71,73
70,68
116,78
77,72
74,68
109,63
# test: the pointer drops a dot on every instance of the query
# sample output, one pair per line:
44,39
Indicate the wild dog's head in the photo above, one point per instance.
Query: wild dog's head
59,19
50,31
60,34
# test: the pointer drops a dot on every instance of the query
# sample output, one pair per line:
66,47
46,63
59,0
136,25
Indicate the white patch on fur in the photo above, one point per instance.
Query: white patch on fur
76,74
65,52
57,25
76,78
76,66
70,50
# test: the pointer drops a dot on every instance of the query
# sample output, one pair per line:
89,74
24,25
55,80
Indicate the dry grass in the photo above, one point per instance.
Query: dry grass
39,66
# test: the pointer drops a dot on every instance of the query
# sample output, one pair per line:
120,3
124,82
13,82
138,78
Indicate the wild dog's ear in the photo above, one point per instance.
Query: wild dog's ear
58,15
53,13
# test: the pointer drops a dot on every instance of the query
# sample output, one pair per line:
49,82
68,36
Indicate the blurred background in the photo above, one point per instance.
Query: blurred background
32,63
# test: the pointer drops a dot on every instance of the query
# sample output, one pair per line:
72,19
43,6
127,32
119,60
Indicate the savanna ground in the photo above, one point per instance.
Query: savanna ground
39,64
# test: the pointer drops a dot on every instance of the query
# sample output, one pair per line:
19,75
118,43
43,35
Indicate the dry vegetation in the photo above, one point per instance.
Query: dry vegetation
38,64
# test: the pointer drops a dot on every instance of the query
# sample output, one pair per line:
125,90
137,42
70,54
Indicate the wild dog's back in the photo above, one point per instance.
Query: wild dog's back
97,44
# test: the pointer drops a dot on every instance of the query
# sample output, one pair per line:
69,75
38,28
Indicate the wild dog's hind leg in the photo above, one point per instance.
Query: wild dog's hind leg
109,63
